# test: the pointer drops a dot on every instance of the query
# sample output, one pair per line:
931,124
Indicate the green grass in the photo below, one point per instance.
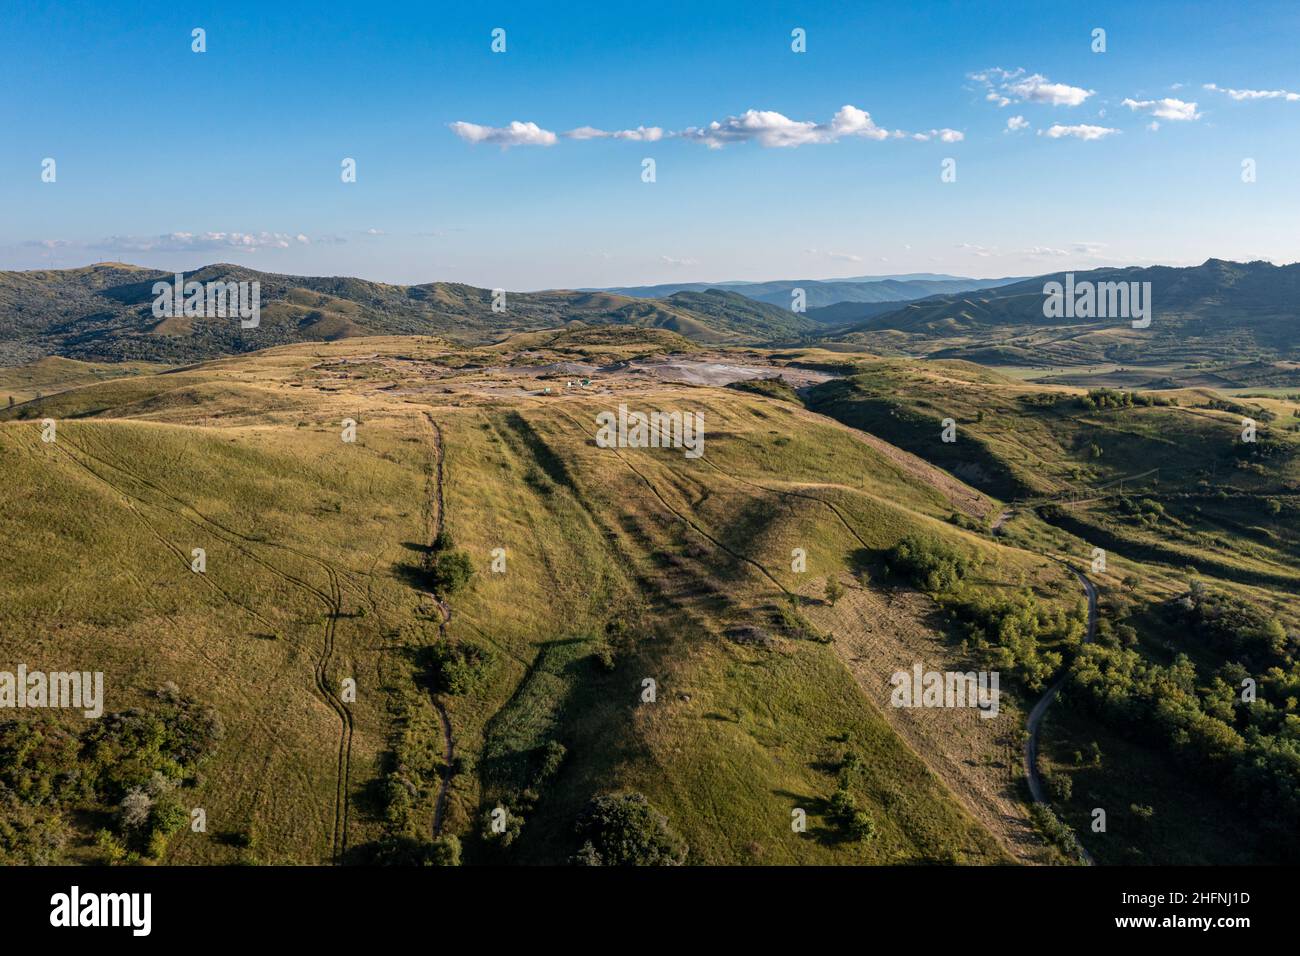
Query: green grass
661,563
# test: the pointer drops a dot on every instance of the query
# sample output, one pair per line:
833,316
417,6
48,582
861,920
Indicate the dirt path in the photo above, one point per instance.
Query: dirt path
444,611
1035,722
341,801
333,602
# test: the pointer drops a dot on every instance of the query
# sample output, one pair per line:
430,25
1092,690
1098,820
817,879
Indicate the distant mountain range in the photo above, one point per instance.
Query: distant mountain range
104,312
1216,310
826,292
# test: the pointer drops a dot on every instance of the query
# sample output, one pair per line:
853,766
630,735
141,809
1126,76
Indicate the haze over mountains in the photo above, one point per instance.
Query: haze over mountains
827,292
1218,309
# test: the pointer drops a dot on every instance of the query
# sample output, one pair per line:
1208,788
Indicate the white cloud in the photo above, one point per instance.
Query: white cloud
203,242
942,135
645,134
1037,89
1255,94
765,127
770,128
1167,108
679,262
516,134
1076,249
1016,123
841,256
1007,86
1082,131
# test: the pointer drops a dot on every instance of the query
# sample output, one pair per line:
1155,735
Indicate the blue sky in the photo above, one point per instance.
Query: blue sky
169,158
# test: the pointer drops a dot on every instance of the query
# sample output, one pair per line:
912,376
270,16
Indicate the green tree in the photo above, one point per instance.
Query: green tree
625,830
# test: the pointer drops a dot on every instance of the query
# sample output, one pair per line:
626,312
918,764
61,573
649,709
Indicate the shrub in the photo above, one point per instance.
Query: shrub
110,846
1060,786
454,667
449,569
625,830
861,826
446,851
843,804
929,562
168,816
505,837
133,812
834,590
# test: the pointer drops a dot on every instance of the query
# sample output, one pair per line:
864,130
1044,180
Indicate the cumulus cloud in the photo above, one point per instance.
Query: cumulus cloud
1240,95
1082,131
942,135
1016,123
644,134
1004,87
515,134
765,127
1167,108
770,128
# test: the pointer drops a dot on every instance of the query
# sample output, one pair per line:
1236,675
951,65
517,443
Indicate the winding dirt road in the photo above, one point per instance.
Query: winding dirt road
1034,724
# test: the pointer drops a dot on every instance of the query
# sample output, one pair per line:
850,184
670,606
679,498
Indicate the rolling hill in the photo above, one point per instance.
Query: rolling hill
1212,311
455,611
104,313
519,686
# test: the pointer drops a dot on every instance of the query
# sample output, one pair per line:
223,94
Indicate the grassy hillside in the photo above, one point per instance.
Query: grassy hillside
1197,531
533,621
52,374
521,689
103,313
